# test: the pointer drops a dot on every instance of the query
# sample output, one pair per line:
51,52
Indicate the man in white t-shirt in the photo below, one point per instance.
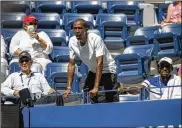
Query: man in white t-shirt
91,49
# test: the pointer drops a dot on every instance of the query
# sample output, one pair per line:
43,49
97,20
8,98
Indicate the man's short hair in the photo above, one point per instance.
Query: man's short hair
83,21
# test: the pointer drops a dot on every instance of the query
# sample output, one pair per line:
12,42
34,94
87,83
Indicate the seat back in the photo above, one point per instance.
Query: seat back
93,7
162,11
142,50
14,67
129,64
51,6
57,36
12,20
69,18
129,8
147,31
16,6
174,28
96,31
48,20
59,50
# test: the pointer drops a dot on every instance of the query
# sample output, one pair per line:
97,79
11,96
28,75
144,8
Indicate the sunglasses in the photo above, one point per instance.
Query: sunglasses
24,60
33,23
165,65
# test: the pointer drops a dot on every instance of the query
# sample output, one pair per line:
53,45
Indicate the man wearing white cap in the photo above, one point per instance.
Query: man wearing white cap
159,84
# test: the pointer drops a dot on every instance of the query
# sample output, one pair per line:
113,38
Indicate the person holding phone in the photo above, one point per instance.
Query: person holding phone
91,49
37,44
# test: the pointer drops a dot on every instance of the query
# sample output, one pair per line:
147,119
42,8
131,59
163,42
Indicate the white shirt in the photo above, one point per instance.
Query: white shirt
25,42
164,93
88,53
35,82
3,47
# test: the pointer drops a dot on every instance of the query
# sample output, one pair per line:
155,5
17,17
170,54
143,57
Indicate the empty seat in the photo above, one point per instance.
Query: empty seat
142,36
129,68
167,45
96,31
14,67
51,6
93,7
57,36
69,18
145,52
129,8
12,20
48,20
113,29
60,51
56,73
174,28
15,6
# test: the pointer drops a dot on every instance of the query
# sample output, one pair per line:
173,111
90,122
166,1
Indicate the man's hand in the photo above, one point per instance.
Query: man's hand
66,93
16,93
34,35
51,91
93,92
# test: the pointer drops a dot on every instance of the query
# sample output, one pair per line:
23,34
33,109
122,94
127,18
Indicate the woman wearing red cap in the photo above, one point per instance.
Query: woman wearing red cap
38,45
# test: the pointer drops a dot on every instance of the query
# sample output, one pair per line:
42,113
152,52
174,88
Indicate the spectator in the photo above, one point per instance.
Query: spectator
4,63
173,14
91,49
38,45
35,82
159,85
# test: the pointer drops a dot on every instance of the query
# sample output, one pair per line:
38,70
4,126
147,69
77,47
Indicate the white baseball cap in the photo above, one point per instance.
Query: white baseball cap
167,59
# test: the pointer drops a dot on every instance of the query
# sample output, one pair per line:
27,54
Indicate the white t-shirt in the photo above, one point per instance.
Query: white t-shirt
25,42
3,47
94,47
36,83
163,93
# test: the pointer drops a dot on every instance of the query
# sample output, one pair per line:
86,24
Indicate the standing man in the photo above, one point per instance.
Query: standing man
91,49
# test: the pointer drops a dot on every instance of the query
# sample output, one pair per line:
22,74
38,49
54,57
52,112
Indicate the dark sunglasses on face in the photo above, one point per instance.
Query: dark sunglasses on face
165,65
24,60
33,23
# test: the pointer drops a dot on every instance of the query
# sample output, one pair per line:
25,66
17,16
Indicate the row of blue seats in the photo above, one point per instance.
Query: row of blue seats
114,38
93,7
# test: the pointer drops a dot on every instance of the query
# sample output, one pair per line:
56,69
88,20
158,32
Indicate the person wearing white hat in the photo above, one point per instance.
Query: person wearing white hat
162,86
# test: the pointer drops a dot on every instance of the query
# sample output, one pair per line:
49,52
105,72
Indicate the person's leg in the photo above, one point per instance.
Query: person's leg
109,80
43,62
89,85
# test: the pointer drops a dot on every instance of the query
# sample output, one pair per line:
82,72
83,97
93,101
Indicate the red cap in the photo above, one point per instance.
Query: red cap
29,19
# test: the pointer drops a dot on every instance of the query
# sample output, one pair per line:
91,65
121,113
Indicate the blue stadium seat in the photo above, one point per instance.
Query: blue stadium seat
93,7
145,52
14,67
48,20
16,6
8,34
166,45
142,36
51,7
56,73
129,8
161,11
57,36
12,20
69,18
96,31
113,30
129,68
174,28
60,51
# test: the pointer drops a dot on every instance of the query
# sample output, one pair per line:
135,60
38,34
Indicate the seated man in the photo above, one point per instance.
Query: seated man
159,85
35,82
